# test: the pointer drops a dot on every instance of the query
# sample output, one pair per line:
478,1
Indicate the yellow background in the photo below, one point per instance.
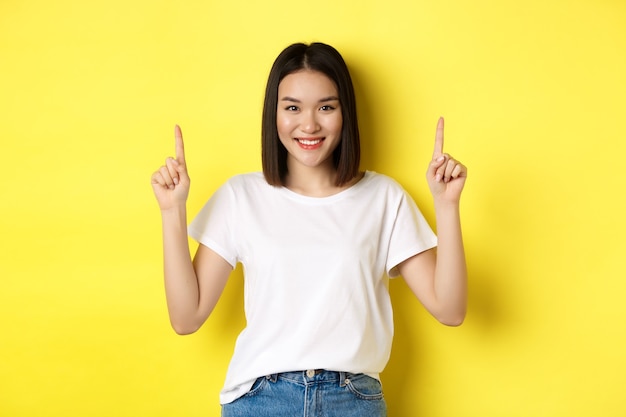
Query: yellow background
534,98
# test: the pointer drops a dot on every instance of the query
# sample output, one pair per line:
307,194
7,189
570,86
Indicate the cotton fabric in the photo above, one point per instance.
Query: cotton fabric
316,272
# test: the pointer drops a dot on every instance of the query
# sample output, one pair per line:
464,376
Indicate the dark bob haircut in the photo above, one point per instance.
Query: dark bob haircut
325,59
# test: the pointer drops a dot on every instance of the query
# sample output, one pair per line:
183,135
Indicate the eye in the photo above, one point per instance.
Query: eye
327,108
292,108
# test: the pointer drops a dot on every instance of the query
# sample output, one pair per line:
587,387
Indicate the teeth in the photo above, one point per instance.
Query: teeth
309,142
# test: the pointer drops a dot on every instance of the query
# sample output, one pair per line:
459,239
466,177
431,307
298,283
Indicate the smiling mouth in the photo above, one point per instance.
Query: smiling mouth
309,141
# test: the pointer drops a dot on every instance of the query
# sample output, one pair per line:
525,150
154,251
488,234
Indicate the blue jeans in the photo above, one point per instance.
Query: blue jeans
313,393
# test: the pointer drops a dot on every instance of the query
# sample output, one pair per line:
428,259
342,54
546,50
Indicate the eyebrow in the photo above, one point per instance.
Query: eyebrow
322,100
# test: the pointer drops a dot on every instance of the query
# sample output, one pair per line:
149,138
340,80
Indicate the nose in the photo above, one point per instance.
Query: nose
309,123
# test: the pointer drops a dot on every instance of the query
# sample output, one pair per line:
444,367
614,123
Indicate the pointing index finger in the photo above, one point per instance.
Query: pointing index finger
180,146
438,151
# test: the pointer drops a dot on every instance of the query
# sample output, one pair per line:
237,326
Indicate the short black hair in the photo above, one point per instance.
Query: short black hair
327,60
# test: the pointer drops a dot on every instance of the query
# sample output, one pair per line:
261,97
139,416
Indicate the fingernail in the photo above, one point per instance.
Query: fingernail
175,181
438,178
441,158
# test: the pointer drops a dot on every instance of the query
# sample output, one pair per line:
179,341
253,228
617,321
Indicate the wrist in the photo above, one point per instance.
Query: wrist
446,205
175,212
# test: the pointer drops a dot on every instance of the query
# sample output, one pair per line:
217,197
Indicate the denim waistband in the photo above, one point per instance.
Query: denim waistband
313,376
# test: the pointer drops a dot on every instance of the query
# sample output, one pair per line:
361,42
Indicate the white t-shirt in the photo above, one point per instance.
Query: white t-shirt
316,272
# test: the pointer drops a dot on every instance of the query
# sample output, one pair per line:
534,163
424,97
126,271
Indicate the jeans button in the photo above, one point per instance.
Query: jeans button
310,373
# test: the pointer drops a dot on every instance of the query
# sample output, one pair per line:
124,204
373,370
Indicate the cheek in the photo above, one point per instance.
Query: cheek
284,125
337,125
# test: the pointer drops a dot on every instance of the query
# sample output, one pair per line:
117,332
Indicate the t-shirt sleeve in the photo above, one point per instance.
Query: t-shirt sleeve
213,226
410,235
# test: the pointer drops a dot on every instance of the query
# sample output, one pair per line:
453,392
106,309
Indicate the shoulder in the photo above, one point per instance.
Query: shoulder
247,180
249,185
382,182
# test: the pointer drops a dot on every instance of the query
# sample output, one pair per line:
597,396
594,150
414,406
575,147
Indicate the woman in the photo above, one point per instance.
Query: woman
318,240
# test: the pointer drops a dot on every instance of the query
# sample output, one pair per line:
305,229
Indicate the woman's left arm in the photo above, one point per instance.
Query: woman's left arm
438,277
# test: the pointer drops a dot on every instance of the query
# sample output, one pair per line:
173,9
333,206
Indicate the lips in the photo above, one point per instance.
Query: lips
309,143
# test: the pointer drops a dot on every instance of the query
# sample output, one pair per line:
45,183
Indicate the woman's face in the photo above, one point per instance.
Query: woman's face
309,118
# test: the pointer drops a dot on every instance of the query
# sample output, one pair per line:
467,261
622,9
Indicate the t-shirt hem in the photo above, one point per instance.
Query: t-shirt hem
213,245
230,395
393,271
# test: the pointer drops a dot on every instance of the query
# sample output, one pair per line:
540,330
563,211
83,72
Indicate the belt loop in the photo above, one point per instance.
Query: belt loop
343,378
272,377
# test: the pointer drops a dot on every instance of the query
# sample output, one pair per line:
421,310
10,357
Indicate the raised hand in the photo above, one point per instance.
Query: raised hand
170,182
446,176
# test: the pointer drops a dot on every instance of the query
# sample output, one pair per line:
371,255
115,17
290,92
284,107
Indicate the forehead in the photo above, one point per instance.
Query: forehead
307,83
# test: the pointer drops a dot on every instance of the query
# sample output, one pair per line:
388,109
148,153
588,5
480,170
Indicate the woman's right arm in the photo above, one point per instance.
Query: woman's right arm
192,289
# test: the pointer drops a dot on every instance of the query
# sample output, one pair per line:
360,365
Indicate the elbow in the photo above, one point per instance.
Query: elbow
181,331
182,328
452,319
185,323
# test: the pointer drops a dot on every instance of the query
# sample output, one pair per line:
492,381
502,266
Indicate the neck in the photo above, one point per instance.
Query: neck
318,181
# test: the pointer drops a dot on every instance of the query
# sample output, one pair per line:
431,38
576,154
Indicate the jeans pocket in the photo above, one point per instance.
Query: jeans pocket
257,387
365,387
